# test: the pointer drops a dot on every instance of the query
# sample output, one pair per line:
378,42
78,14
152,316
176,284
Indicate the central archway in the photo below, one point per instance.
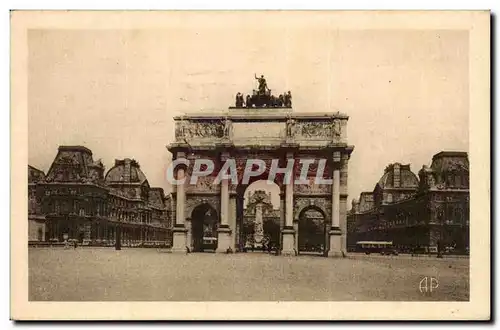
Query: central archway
312,231
259,214
204,224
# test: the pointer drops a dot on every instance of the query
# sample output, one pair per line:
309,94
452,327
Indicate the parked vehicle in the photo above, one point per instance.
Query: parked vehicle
389,251
209,243
373,246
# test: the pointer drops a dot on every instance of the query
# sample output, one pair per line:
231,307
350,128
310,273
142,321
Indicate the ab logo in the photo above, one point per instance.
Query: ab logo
428,284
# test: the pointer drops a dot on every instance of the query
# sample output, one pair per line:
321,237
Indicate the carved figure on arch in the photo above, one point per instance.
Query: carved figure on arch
336,128
228,127
181,130
290,128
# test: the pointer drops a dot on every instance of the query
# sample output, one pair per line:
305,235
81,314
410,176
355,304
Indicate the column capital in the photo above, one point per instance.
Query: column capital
336,156
181,154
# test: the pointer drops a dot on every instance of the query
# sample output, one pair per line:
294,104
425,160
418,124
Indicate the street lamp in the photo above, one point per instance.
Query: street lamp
118,236
441,234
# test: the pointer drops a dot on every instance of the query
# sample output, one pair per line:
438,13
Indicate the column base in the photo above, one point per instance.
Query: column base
288,248
224,240
335,250
179,240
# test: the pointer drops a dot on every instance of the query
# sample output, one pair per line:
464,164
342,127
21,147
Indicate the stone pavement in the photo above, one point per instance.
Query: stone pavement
103,274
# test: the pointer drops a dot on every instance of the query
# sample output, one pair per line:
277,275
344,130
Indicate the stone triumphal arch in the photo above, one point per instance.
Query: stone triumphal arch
267,132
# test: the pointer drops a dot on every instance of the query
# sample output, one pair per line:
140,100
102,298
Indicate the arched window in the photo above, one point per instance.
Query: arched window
450,210
440,214
459,215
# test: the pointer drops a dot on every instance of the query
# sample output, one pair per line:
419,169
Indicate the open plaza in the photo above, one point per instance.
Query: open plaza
105,274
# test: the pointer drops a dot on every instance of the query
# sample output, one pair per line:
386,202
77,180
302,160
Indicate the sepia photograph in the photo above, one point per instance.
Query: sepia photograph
250,165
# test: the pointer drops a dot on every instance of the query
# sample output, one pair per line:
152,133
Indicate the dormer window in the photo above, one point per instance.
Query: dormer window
389,198
449,179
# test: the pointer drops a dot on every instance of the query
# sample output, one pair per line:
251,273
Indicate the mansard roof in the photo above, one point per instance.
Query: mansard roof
34,174
156,197
75,164
407,179
445,161
125,171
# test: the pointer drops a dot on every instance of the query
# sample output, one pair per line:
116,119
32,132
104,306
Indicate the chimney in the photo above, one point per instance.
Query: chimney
397,175
126,171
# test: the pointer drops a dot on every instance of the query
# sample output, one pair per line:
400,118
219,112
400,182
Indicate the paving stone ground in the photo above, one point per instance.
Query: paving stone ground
103,274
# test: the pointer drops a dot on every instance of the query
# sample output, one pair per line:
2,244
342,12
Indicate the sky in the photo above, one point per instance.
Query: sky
406,92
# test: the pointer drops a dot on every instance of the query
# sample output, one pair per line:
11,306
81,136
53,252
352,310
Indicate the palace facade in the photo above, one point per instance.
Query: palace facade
76,200
416,212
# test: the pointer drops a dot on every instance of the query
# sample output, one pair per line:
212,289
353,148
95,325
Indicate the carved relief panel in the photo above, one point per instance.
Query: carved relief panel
193,201
302,203
312,188
200,130
319,130
314,130
204,184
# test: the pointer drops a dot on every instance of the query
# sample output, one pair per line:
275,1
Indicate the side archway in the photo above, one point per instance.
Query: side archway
312,230
204,224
